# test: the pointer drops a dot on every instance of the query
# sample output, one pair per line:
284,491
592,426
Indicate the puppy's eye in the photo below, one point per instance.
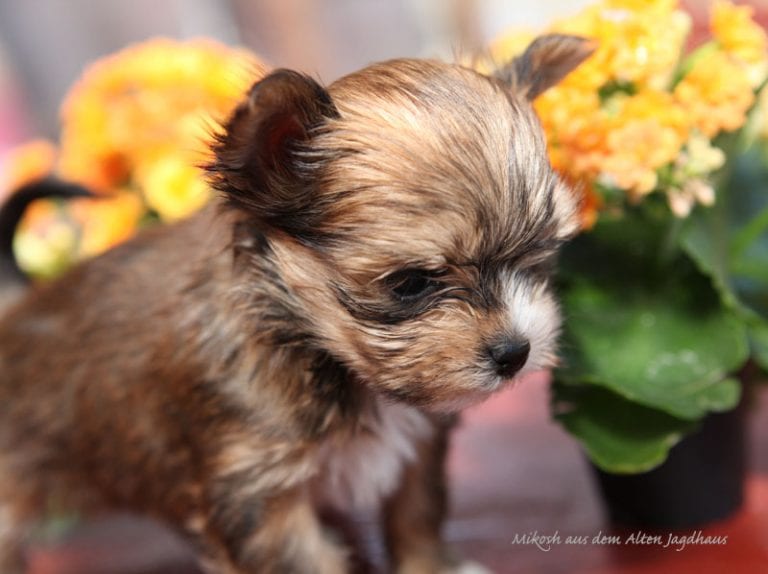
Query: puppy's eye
411,284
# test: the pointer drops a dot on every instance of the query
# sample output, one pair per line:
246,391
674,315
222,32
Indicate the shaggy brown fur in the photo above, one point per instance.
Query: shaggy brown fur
380,257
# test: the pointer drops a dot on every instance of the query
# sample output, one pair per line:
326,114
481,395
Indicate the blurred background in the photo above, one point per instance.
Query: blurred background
45,44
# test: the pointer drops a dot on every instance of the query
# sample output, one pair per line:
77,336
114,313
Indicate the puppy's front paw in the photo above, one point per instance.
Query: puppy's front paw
467,567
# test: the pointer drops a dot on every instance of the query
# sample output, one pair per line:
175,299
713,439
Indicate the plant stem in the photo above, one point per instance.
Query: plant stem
670,245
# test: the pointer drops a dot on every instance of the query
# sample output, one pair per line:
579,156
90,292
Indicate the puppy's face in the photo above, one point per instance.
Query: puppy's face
413,217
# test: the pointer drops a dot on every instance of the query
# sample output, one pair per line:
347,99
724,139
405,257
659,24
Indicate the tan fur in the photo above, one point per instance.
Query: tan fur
373,245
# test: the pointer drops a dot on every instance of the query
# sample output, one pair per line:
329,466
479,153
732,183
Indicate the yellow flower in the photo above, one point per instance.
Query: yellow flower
173,188
140,120
133,128
136,107
638,42
716,93
740,36
626,120
662,7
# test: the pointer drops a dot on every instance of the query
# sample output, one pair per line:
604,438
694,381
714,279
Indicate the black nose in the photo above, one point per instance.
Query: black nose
509,356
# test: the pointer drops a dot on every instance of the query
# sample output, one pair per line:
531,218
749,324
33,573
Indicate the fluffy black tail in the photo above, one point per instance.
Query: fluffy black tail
13,210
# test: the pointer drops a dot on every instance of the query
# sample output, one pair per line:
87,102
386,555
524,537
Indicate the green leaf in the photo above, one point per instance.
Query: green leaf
647,348
729,242
651,331
618,435
705,240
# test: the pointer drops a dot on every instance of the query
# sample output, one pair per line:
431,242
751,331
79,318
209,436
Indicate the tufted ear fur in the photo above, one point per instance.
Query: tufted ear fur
545,63
259,164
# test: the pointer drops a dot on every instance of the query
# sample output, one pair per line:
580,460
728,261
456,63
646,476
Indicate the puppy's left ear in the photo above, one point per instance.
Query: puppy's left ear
263,160
544,63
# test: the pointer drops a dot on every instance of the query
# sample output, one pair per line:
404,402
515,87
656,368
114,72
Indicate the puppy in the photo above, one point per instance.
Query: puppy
378,259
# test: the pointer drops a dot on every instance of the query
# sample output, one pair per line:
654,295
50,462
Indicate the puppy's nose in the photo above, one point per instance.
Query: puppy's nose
509,356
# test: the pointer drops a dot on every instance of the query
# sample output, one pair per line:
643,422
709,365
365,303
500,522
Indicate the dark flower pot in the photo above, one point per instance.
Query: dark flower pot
702,481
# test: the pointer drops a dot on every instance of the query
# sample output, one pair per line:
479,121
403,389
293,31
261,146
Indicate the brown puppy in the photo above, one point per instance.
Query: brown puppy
379,258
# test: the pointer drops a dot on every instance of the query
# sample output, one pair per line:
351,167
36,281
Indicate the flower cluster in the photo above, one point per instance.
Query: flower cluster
640,116
134,129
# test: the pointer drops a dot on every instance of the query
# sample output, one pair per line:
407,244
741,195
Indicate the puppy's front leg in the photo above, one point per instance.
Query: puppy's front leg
414,514
280,535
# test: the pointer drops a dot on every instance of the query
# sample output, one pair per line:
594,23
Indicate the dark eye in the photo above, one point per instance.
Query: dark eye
411,284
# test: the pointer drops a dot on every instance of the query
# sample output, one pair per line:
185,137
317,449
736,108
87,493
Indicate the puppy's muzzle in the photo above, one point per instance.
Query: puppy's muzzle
509,356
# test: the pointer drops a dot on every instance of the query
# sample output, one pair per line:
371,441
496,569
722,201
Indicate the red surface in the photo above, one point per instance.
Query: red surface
516,472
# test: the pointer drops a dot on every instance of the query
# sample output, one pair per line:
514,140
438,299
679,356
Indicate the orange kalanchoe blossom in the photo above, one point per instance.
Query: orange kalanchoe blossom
136,126
646,132
716,93
635,117
147,103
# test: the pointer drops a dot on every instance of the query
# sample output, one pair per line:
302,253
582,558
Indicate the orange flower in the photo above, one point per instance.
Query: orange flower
135,125
626,142
647,132
590,206
573,121
139,121
626,121
136,107
590,201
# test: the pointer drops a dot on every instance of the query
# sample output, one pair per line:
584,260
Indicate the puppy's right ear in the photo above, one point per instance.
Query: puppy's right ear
258,163
544,63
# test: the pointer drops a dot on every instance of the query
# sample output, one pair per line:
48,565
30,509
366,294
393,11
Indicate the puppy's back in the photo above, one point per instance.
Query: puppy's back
92,366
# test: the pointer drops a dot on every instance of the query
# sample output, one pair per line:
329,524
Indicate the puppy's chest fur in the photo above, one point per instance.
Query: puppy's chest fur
361,464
